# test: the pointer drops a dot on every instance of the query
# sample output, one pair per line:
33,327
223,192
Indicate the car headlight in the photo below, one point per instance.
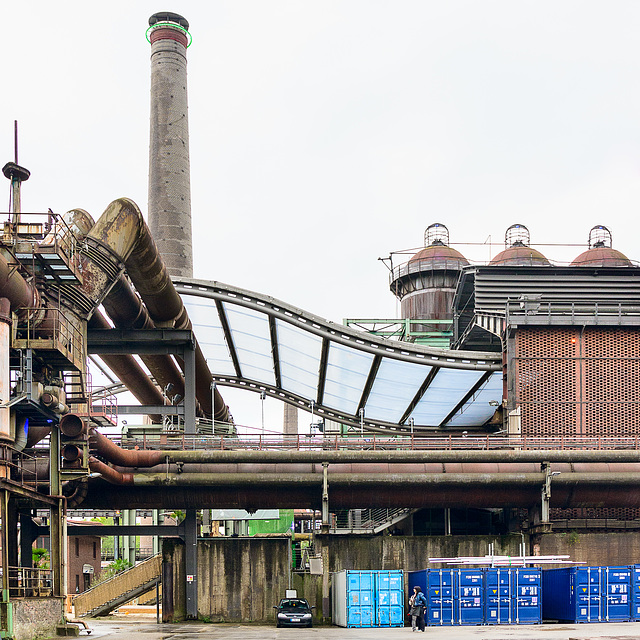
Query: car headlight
282,615
306,615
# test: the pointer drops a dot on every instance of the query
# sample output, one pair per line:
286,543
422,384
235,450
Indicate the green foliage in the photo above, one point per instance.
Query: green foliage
571,537
115,567
40,558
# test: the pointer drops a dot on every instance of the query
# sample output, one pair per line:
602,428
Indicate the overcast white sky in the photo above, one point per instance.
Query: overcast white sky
326,134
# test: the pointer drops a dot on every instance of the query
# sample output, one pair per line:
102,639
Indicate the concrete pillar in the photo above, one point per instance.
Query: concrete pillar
169,172
290,422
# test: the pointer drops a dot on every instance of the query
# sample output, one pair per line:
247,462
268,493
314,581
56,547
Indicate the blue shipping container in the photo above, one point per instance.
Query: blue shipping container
512,596
360,588
635,591
587,594
454,596
389,597
368,598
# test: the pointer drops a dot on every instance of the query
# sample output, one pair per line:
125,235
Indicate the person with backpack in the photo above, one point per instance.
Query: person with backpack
418,604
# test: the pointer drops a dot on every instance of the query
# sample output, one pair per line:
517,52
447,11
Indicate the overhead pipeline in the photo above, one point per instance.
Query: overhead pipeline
122,229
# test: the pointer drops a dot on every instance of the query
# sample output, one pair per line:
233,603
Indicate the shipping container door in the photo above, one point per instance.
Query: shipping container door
360,599
587,589
635,592
526,603
440,596
616,597
390,599
497,591
469,591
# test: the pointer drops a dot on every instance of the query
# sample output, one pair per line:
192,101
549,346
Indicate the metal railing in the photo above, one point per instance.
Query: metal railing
28,582
117,586
370,520
375,442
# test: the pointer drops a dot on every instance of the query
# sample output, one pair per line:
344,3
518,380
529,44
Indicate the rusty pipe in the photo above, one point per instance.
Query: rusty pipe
127,311
123,229
129,372
17,290
399,456
108,473
72,425
123,457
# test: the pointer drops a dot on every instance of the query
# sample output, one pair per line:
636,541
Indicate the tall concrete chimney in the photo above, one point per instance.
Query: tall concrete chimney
169,174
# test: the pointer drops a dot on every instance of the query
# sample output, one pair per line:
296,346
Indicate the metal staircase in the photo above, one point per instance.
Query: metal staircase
123,587
367,521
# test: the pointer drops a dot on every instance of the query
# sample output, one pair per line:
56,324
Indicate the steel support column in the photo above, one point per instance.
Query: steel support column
57,518
191,563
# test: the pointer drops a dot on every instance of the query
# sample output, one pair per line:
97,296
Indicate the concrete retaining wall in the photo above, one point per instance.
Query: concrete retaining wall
36,617
241,579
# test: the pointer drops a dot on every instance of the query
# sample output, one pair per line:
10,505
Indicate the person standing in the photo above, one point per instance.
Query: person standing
417,602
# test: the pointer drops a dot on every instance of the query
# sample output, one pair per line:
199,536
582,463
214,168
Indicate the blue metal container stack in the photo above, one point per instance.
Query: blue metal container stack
587,594
512,596
368,598
454,596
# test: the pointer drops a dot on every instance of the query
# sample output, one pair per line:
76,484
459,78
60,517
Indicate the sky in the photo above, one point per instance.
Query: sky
327,134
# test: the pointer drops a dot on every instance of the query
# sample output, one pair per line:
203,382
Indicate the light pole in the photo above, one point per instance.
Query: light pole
263,395
411,423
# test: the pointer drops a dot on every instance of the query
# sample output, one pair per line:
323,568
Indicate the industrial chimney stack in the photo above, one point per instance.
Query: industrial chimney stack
169,174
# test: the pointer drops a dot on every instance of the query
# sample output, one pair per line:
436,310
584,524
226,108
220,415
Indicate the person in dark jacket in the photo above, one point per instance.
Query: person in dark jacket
417,602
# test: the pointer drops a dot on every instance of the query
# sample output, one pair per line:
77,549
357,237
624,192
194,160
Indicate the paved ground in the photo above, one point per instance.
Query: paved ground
145,628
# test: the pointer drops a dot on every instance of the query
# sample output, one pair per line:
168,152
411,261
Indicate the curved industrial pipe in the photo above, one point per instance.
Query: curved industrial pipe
129,372
110,451
108,473
17,290
126,310
123,230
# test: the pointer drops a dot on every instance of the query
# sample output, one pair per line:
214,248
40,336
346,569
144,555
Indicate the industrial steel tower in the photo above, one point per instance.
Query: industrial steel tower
169,174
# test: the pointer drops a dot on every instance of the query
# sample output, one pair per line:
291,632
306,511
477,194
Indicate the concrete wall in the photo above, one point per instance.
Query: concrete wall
241,579
36,617
595,549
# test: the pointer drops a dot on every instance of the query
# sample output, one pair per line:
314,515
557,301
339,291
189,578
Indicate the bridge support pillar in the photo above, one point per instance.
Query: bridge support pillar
325,497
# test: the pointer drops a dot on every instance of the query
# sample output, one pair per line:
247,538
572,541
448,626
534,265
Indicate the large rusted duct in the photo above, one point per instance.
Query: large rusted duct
21,295
130,372
127,311
123,229
125,457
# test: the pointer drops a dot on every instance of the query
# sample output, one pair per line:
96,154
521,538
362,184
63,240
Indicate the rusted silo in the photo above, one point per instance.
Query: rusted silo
426,284
600,253
518,253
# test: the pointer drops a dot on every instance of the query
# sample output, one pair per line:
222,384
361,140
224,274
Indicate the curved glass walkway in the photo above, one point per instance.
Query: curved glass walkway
256,342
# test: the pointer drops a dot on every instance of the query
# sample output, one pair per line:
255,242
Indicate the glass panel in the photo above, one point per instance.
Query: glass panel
395,386
347,373
477,409
447,389
299,352
208,330
252,340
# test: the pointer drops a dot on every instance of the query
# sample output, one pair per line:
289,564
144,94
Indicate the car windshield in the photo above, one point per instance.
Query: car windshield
294,605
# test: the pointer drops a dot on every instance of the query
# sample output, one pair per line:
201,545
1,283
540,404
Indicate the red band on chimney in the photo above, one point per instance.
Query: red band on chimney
167,33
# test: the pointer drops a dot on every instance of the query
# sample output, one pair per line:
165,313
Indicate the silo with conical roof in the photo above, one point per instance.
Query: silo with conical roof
426,285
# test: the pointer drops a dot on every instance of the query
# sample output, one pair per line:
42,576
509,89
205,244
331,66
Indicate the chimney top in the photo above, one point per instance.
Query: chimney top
168,16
